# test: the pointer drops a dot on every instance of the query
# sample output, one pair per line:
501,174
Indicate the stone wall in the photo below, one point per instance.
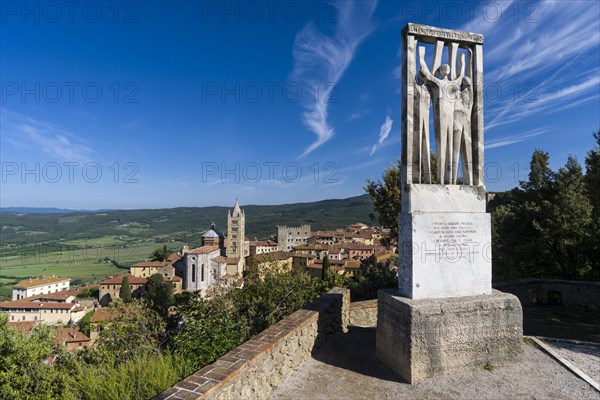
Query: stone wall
551,291
363,313
254,369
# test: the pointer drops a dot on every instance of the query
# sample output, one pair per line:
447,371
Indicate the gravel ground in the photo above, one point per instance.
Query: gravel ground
586,357
346,368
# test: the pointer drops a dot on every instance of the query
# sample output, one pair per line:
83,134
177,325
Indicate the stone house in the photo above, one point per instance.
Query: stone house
41,285
47,312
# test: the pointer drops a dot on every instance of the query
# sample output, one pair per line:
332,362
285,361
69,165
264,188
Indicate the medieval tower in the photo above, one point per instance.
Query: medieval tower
236,232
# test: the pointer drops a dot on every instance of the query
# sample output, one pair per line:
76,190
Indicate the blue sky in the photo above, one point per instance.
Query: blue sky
161,104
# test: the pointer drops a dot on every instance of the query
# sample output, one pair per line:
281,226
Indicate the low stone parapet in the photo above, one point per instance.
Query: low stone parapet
532,291
253,369
363,313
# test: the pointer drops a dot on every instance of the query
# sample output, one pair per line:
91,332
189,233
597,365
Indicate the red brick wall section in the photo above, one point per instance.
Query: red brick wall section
252,370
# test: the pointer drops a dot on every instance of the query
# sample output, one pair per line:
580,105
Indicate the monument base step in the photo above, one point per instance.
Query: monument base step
428,337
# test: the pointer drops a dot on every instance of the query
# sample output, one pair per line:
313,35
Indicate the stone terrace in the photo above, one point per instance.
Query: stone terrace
327,351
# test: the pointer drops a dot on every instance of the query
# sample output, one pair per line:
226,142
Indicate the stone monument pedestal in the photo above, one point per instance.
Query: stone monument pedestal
422,338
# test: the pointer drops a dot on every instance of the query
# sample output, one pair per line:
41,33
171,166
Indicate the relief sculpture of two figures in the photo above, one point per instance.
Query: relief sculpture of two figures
452,95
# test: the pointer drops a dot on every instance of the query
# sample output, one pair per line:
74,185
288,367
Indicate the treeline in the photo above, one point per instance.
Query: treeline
181,224
550,226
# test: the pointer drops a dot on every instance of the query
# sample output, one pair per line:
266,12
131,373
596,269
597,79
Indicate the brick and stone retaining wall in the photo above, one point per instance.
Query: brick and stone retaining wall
551,291
255,368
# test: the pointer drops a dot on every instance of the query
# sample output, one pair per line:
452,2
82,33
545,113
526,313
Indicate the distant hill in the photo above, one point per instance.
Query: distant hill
45,210
182,224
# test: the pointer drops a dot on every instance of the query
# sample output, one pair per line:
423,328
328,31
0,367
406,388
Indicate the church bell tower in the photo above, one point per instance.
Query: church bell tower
236,232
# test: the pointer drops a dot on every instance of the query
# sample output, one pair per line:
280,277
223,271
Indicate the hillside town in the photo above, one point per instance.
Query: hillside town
218,264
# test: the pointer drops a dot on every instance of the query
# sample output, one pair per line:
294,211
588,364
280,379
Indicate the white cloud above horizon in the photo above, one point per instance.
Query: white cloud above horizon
384,132
320,61
26,132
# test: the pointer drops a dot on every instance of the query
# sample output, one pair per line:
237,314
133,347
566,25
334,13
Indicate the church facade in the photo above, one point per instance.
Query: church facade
219,261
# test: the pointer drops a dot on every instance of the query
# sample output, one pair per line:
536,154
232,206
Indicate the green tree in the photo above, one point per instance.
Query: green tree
380,276
159,294
570,222
386,195
24,370
210,329
132,329
592,180
125,290
326,266
160,254
84,323
543,228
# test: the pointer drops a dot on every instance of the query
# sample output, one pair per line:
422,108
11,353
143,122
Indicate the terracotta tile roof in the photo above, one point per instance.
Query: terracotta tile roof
172,278
315,246
263,243
69,335
149,264
174,257
232,260
39,282
203,250
117,280
358,246
35,305
23,326
353,264
103,314
56,296
220,259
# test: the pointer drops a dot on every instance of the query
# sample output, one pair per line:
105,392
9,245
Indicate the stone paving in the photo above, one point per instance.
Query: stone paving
585,356
345,368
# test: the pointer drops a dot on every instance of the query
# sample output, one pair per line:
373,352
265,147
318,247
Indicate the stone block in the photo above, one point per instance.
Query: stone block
443,198
423,338
444,254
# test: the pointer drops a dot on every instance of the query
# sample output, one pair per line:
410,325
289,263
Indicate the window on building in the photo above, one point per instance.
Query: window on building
202,272
193,272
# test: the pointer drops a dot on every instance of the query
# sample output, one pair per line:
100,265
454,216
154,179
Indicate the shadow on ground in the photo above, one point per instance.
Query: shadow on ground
564,322
355,351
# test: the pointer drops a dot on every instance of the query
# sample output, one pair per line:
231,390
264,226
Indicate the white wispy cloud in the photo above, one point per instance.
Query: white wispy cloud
384,132
546,64
27,132
321,59
508,140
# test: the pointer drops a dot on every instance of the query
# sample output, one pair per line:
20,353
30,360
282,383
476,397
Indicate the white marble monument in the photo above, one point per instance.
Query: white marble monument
444,231
444,316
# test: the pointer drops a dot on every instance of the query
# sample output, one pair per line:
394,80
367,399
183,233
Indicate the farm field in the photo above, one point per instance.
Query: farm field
84,261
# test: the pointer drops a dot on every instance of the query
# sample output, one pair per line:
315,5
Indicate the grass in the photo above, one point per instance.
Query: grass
489,366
